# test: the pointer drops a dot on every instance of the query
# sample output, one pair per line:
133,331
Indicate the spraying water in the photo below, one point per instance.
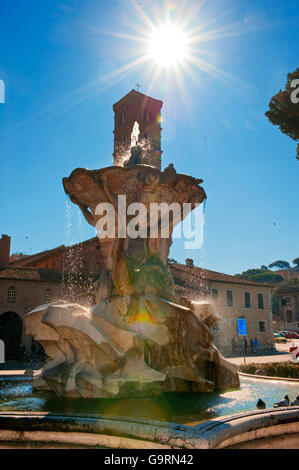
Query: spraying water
135,134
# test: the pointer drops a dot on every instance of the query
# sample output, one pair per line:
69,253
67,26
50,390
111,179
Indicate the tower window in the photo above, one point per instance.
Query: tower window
122,117
145,115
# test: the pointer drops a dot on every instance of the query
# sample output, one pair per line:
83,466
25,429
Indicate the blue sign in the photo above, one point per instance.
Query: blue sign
242,327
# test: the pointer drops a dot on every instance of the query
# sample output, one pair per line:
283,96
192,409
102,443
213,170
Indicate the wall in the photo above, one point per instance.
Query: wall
226,329
288,301
28,296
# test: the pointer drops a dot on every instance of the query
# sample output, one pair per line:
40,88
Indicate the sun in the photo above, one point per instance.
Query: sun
168,46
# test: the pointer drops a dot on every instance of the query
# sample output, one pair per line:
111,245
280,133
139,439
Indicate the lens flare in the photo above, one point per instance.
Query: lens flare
167,46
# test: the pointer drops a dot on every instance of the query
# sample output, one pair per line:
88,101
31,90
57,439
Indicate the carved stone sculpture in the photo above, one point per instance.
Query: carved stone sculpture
139,339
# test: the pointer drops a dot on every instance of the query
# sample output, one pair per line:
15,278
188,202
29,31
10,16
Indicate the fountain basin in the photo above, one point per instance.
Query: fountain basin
270,429
226,419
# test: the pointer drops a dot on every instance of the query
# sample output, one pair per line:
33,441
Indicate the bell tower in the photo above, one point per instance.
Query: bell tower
146,111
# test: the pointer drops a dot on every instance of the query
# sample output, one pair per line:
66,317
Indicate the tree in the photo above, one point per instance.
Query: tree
268,277
284,108
249,273
260,275
296,261
264,268
280,265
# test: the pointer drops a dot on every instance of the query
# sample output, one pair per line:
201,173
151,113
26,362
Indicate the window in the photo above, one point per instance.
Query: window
260,300
285,301
214,295
262,326
48,296
289,316
11,295
247,300
229,298
122,117
145,115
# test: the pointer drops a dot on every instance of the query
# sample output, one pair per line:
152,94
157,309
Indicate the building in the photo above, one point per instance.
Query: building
31,281
289,275
24,287
288,303
146,111
232,299
82,257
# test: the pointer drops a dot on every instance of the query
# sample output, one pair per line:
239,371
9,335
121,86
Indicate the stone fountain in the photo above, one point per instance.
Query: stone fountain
139,339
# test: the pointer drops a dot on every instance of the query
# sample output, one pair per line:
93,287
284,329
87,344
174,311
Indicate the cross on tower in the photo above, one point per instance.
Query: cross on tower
137,85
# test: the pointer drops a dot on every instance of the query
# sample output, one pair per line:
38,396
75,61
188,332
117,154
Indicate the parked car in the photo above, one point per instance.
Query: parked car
284,333
290,334
278,338
295,334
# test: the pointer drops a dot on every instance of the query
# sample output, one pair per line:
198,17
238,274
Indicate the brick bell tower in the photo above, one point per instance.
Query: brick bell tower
136,106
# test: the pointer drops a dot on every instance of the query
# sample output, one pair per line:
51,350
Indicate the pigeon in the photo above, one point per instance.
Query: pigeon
261,405
296,401
284,402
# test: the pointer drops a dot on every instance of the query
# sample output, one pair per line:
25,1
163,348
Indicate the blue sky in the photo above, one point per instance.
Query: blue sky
65,63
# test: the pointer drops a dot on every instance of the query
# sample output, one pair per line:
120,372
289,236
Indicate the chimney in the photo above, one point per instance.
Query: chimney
4,251
189,263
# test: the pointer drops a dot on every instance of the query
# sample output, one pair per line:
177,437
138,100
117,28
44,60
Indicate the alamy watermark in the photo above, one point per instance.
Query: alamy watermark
295,93
154,220
2,92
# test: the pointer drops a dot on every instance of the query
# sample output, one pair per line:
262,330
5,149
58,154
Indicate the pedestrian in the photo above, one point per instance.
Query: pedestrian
245,346
251,346
255,345
233,345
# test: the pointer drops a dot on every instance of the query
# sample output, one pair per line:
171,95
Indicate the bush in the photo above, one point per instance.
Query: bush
281,369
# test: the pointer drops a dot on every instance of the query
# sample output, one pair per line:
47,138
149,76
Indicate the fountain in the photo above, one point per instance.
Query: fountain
140,339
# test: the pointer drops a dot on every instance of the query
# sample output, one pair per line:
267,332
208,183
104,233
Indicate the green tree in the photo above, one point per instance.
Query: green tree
260,275
280,265
284,110
268,277
296,261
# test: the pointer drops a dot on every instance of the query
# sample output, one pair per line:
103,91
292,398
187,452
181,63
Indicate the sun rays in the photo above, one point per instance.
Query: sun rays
169,41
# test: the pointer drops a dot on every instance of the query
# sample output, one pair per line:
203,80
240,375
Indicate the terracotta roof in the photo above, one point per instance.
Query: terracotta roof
44,254
41,275
206,274
31,274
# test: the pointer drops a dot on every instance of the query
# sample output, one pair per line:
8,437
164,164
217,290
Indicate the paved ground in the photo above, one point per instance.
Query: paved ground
281,355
